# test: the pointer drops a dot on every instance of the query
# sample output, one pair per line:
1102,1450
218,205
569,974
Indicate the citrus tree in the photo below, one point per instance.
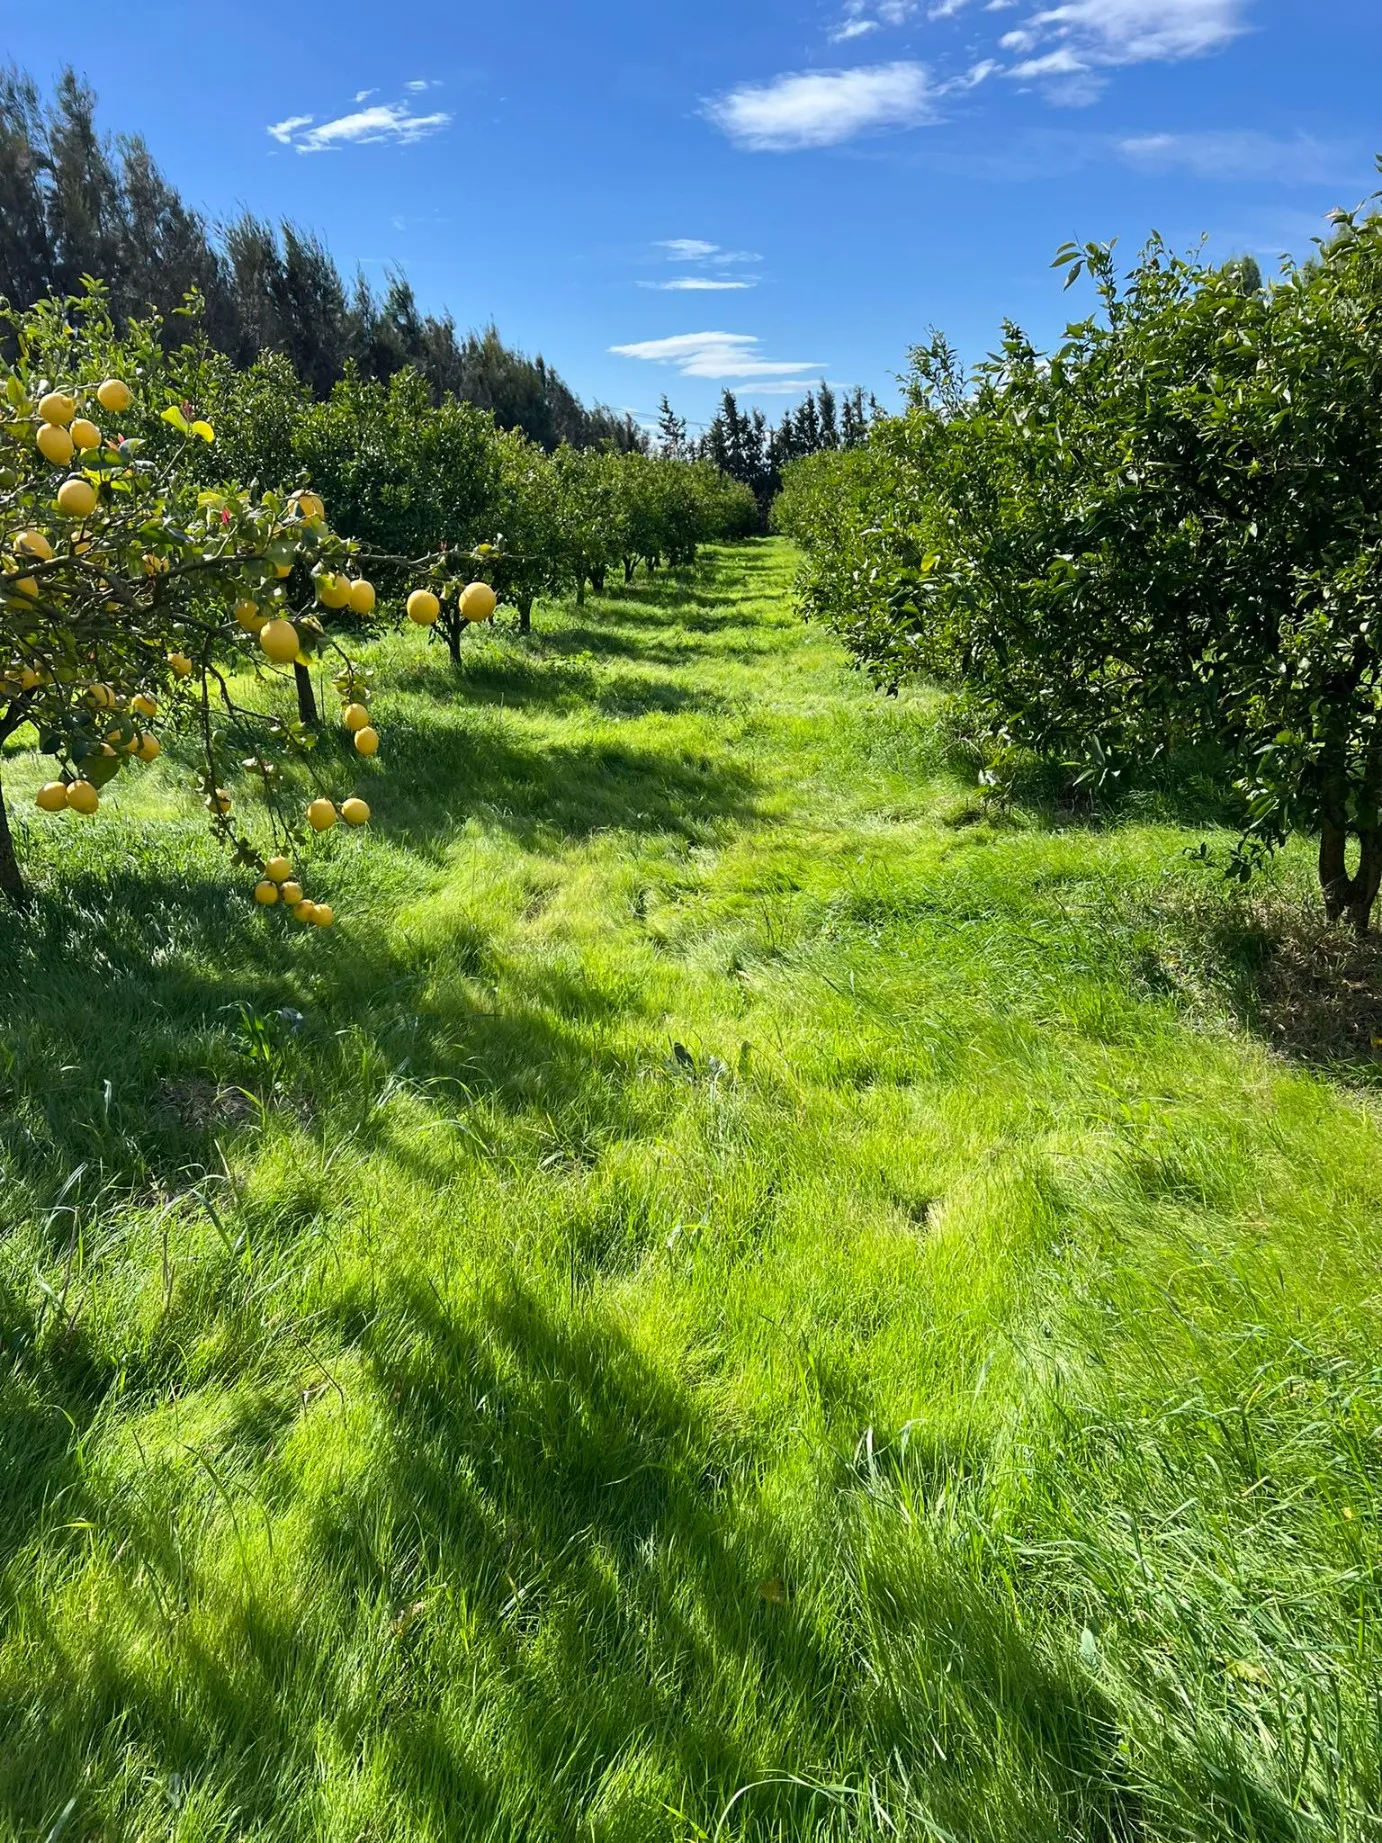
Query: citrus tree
134,597
1167,531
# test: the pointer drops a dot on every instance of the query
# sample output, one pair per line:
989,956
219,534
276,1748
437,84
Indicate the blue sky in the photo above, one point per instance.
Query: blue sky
686,194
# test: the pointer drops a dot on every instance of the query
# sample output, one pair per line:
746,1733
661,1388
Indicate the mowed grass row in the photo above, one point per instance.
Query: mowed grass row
735,1295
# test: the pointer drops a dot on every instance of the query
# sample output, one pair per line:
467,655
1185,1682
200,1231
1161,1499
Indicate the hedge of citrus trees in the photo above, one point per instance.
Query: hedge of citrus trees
143,584
1165,532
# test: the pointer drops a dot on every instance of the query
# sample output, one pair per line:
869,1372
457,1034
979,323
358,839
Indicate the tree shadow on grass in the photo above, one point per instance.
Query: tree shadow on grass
551,1558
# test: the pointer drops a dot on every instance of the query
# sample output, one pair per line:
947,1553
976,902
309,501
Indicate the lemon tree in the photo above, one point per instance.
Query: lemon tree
136,599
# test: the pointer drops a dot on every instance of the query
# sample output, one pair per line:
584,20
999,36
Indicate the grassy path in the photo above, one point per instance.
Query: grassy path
733,1297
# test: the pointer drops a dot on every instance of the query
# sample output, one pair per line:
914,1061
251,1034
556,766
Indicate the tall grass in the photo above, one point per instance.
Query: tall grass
737,1295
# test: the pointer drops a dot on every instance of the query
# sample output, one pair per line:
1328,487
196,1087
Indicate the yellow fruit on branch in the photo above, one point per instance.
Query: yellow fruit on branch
181,665
148,748
77,497
54,444
53,797
266,892
304,911
333,591
283,569
323,914
57,408
308,505
423,607
279,640
321,815
143,705
114,395
478,601
355,717
291,892
34,544
101,696
248,615
278,870
82,797
218,802
367,740
362,597
85,435
355,812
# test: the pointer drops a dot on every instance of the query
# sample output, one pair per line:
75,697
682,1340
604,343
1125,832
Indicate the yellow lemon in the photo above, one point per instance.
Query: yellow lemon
34,544
278,870
101,696
77,497
114,395
423,607
478,601
82,797
54,444
85,434
143,705
355,813
219,802
304,911
309,505
332,591
290,892
362,597
321,815
266,892
53,797
248,615
57,408
181,664
279,640
148,747
323,914
367,740
355,717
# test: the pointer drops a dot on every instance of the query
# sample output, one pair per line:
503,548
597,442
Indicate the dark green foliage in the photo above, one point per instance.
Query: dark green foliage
1163,534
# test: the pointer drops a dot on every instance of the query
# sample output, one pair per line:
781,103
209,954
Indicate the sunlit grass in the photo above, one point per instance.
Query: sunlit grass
737,1294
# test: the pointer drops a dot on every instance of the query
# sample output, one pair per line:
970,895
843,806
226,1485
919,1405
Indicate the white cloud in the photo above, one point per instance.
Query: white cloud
822,108
364,95
1234,154
1084,37
285,130
696,283
853,28
857,20
419,84
687,249
383,121
723,356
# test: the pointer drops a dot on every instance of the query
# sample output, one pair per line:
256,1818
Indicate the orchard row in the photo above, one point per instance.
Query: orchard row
143,583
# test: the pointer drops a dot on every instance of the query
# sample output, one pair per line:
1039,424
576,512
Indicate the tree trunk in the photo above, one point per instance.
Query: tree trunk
630,564
1345,896
580,593
307,697
453,628
11,881
597,580
525,614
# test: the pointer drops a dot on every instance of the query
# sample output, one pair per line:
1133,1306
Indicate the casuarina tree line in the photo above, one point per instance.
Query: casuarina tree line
1163,534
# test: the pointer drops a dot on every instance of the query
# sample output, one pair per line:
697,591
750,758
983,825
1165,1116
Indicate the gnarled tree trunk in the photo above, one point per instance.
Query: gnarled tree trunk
1353,897
11,879
525,614
307,697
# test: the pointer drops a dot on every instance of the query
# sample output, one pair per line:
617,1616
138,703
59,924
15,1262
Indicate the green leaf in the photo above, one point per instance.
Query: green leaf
174,416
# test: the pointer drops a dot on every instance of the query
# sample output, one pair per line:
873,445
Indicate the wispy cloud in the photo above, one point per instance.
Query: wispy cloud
419,84
1071,45
721,356
285,130
364,95
863,16
823,108
693,249
1236,154
388,121
690,284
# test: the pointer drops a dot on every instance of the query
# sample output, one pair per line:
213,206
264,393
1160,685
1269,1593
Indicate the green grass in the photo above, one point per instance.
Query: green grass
737,1295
